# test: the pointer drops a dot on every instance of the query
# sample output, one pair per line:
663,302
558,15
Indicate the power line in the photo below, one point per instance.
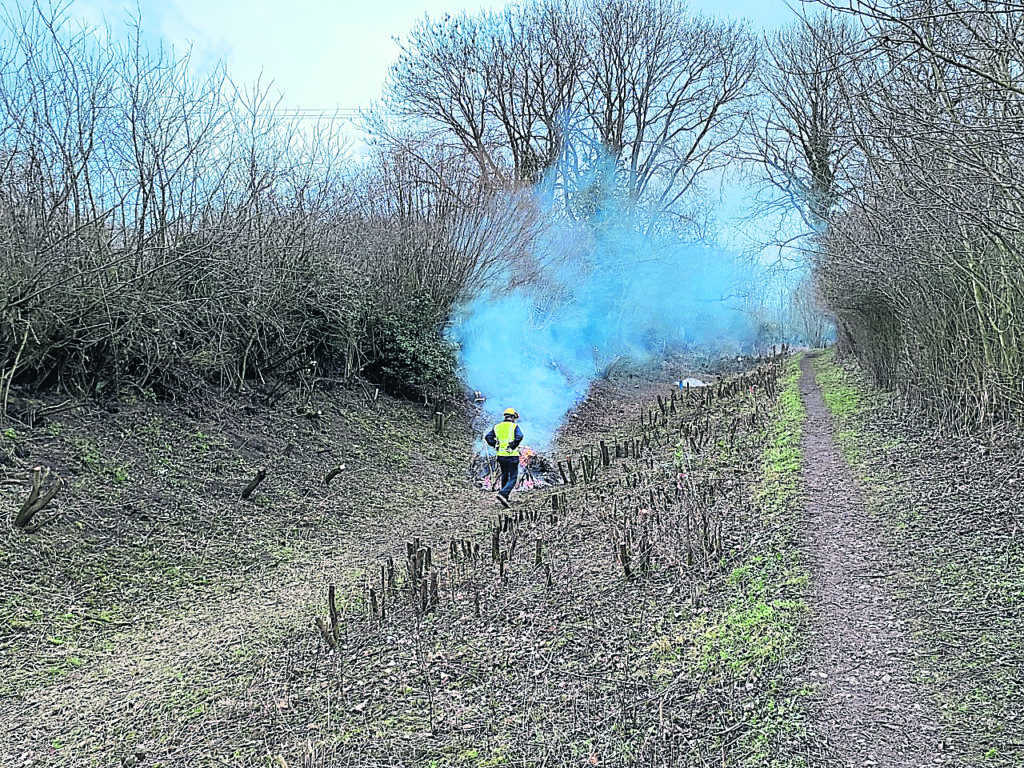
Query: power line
318,113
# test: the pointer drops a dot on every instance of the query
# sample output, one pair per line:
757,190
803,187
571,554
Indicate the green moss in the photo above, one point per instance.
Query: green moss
782,458
759,634
839,388
756,632
761,623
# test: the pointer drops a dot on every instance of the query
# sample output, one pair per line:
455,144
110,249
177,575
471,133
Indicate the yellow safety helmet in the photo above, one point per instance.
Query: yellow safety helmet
511,412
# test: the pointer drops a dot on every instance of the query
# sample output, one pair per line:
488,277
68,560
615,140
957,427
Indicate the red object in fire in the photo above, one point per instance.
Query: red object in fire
525,454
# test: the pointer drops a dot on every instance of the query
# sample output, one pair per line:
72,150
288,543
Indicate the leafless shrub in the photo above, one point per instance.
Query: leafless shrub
949,213
160,229
909,181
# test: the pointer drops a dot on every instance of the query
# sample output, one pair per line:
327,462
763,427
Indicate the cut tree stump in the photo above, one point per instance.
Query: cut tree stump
260,477
333,474
38,498
330,633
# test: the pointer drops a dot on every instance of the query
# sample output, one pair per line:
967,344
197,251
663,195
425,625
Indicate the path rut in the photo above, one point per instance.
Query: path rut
867,709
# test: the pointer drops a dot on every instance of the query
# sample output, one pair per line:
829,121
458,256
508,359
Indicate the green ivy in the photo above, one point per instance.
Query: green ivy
408,352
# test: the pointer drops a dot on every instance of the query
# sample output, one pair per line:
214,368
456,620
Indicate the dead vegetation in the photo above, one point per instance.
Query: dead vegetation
587,625
569,631
650,611
38,499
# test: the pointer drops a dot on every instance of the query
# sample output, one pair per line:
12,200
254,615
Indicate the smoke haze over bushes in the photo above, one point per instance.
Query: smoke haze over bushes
164,230
609,290
620,113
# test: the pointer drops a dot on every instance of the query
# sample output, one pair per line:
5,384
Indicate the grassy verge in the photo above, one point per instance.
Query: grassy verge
945,504
151,523
848,402
755,642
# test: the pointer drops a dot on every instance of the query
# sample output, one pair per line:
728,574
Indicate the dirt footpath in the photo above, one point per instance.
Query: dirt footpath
867,709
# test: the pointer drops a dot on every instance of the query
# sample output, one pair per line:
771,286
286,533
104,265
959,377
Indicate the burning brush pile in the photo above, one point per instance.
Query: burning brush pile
535,471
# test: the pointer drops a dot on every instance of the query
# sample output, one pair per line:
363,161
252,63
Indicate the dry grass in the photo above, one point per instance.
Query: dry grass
165,622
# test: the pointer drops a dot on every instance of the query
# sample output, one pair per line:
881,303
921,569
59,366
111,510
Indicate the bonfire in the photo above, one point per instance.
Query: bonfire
535,471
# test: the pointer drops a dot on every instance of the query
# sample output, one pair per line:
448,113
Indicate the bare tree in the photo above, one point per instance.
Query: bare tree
924,266
537,56
803,136
665,92
641,89
441,76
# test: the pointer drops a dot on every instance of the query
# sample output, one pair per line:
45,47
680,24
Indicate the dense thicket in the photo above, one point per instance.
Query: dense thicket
158,230
902,138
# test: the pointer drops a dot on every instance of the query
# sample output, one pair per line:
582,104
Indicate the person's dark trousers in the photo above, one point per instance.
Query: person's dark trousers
509,474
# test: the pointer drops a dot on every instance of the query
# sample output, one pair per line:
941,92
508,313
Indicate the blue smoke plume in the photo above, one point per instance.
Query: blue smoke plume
610,290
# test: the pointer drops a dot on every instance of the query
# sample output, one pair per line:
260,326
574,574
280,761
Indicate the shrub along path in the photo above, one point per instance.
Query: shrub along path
869,711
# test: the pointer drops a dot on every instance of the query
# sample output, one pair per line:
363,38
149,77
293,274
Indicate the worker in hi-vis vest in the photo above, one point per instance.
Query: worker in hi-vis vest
505,438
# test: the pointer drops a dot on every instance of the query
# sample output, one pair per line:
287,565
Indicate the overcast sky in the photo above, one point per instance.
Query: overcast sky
323,54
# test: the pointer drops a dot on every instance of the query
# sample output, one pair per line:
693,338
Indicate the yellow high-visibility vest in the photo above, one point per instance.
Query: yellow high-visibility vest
505,434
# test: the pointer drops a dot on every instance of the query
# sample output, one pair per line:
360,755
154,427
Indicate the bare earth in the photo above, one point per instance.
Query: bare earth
869,711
